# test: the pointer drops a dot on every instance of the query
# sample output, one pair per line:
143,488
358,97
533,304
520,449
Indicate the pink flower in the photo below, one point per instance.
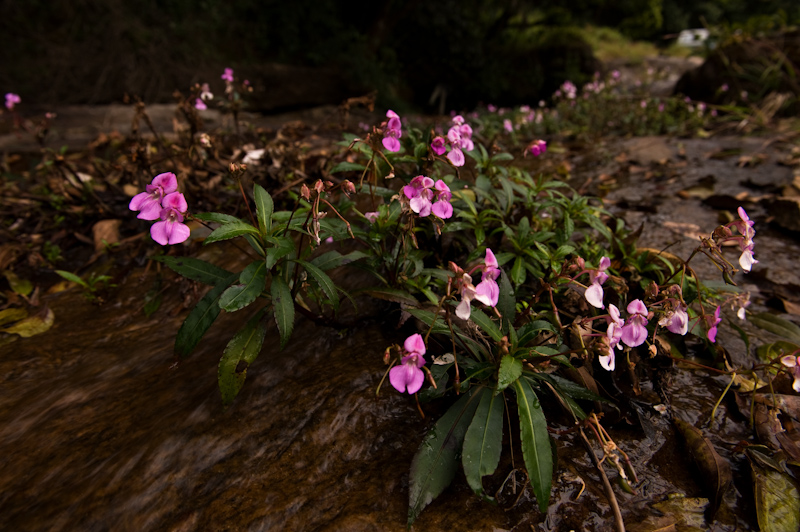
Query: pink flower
149,203
612,338
438,145
537,147
594,294
200,105
793,362
487,291
392,132
676,321
408,377
442,207
467,295
421,192
456,156
491,108
205,92
712,323
12,100
508,126
371,216
634,332
171,229
228,75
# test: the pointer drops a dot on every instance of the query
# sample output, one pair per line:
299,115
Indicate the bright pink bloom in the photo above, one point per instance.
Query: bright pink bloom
149,203
537,147
634,332
408,377
392,132
487,291
712,323
12,100
438,145
228,75
442,207
421,192
200,105
793,362
171,229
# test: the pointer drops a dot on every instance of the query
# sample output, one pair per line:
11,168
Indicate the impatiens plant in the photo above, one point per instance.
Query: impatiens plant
490,264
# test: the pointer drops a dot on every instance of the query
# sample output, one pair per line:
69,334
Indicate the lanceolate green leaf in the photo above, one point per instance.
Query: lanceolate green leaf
486,324
483,441
251,283
281,246
777,325
510,370
506,303
230,230
535,442
195,269
436,461
284,308
200,318
264,208
323,281
244,347
217,217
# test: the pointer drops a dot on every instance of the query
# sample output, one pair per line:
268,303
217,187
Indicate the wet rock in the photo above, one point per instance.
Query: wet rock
647,150
786,212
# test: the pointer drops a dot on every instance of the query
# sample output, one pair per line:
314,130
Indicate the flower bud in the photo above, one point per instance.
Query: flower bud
305,193
387,355
348,187
319,186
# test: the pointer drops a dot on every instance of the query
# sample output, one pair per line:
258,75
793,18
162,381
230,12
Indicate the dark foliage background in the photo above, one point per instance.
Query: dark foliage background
307,52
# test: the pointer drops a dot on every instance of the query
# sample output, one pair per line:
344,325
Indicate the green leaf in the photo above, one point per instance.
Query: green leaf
217,217
264,208
230,230
245,346
252,281
483,441
200,318
18,285
195,269
510,370
281,246
347,167
535,442
777,325
71,277
323,281
528,332
334,259
506,303
436,461
284,308
392,294
486,324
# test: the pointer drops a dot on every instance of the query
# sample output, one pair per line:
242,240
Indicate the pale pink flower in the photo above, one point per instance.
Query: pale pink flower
594,294
371,216
456,156
228,75
171,229
407,376
468,292
508,126
148,203
634,332
200,105
676,320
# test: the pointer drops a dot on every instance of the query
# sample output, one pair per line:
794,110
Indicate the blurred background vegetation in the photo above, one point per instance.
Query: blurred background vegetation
499,51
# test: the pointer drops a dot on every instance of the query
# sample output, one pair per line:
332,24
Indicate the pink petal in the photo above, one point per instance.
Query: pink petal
487,292
463,310
607,361
175,201
605,262
637,307
443,209
167,181
180,233
746,260
490,261
159,232
421,205
456,156
415,344
634,334
148,206
391,144
594,295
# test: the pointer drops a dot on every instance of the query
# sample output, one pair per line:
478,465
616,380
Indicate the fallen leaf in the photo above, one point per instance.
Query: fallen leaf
20,286
776,497
715,471
105,233
33,325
